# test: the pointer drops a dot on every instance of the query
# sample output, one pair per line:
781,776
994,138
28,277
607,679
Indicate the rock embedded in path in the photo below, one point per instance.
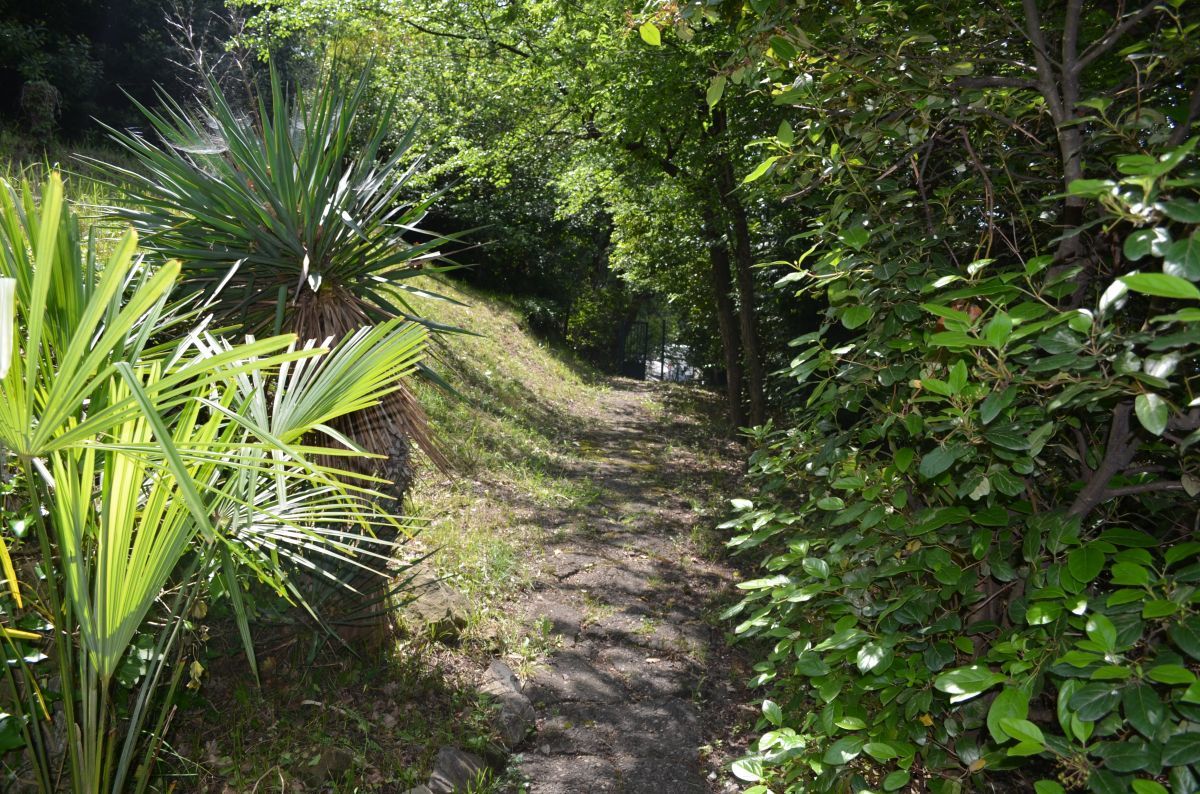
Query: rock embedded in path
514,715
438,610
456,771
333,763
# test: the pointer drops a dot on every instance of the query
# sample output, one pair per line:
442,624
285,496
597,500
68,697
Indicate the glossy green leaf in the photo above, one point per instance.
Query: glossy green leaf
1186,634
1182,748
1144,709
1152,411
1011,704
1086,562
936,461
1161,285
844,750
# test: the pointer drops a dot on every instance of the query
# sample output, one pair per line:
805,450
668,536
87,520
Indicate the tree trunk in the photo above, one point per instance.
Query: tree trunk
722,282
743,257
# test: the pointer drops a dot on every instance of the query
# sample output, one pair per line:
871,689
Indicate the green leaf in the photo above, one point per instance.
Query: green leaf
1130,574
873,656
1161,285
748,769
1171,674
1093,188
844,750
856,237
1048,787
1093,701
1182,748
809,663
1085,563
1144,710
896,780
1148,787
903,458
1129,755
1159,608
856,316
998,329
761,169
831,503
1152,411
936,461
1040,613
1101,631
957,380
1182,210
1010,704
772,712
815,566
649,33
1182,258
716,89
783,49
1007,438
1022,730
966,682
996,402
1187,636
1146,241
785,134
880,751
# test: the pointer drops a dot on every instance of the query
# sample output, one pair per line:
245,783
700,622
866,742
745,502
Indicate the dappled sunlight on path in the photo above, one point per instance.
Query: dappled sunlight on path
642,678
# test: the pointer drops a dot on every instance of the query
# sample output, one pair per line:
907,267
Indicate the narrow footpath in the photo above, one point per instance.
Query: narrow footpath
641,693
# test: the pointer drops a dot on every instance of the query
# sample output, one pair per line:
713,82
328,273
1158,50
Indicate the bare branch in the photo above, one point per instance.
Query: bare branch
515,50
1181,132
1045,70
992,82
1114,34
1146,487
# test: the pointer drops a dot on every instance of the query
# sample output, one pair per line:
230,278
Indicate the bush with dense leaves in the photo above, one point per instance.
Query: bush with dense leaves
975,525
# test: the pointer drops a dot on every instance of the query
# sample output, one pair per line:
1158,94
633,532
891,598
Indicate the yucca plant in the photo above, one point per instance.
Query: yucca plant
150,469
292,220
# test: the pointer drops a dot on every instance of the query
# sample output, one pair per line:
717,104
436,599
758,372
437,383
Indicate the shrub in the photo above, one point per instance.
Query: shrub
978,539
154,460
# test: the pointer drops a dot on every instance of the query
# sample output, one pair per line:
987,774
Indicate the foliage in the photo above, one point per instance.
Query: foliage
89,55
291,220
543,137
976,525
291,224
156,460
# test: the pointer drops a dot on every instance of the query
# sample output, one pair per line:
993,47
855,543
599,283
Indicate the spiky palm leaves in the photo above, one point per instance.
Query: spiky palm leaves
152,468
290,221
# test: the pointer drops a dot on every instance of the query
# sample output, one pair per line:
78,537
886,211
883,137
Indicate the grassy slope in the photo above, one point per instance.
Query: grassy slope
384,715
503,434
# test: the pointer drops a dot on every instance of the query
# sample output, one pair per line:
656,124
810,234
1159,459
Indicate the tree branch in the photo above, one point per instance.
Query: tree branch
992,82
1180,133
463,37
1114,34
1122,445
1146,487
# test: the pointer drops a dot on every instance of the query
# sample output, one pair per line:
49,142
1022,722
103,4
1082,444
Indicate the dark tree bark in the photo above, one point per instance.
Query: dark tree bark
721,277
743,258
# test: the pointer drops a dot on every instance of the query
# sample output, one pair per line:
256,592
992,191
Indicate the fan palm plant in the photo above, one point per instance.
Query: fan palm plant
151,468
292,221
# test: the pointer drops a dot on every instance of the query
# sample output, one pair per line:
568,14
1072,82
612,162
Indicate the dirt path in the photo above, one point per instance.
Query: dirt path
640,691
